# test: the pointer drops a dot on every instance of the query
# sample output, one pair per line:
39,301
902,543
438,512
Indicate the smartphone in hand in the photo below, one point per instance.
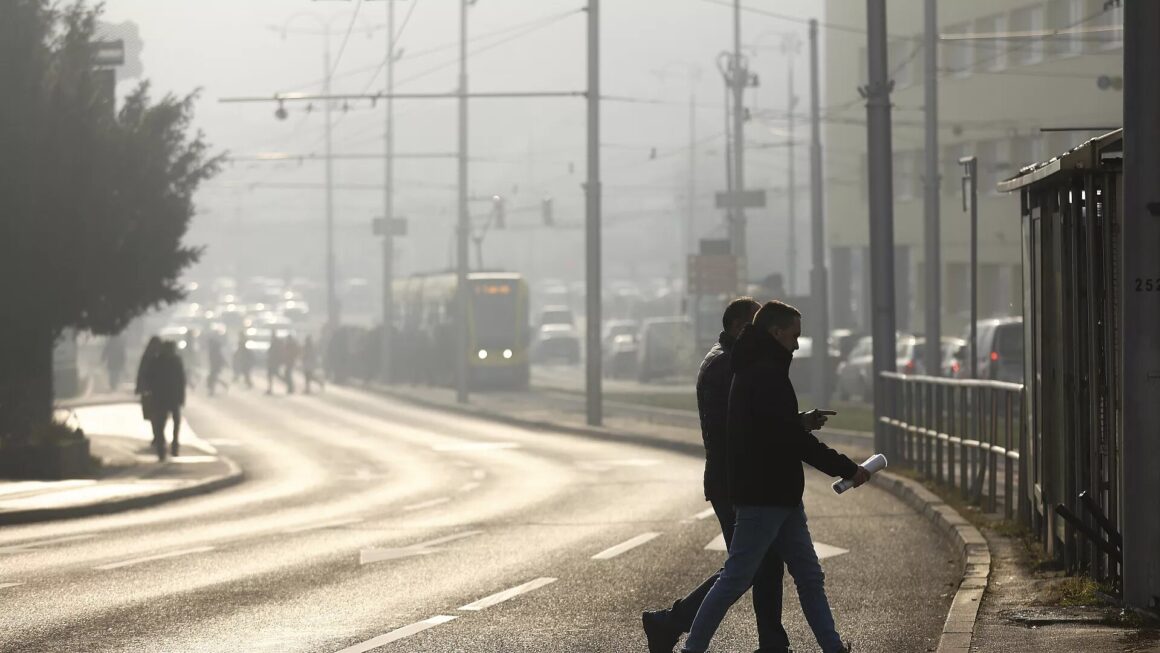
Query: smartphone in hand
825,411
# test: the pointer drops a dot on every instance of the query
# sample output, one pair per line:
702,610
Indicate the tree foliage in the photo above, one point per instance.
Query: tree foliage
93,206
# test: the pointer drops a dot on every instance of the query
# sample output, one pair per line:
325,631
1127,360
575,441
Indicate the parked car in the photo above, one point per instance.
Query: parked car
912,354
954,351
999,352
856,373
801,373
665,348
619,346
557,337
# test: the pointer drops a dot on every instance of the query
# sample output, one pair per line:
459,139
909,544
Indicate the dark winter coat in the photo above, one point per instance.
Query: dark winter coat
164,384
767,443
713,380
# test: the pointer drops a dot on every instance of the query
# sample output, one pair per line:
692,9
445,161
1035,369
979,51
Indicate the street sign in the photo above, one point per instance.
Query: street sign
398,226
745,199
712,274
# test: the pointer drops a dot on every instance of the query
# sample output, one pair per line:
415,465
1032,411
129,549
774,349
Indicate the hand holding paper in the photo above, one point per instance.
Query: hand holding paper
873,464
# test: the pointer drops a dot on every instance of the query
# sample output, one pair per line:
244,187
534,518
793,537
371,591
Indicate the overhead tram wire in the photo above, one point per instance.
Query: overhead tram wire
346,37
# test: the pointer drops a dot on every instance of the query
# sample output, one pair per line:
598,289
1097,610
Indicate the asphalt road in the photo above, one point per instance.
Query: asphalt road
368,524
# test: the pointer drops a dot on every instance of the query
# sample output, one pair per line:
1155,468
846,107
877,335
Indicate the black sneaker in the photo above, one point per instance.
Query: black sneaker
662,634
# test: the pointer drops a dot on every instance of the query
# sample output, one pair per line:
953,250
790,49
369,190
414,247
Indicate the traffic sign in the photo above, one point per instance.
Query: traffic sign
744,199
712,274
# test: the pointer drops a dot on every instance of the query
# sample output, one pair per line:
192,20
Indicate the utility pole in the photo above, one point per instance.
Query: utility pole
740,79
332,312
971,189
789,46
1141,310
819,276
877,94
932,273
592,195
463,224
389,200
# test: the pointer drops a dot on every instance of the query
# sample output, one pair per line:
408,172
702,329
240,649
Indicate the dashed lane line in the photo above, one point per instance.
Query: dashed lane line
7,585
159,556
628,545
822,550
468,487
368,556
397,634
476,446
427,504
507,594
36,544
704,514
478,474
327,524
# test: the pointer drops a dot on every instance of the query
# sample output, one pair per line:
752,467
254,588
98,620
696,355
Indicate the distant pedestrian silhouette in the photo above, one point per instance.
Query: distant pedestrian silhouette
217,361
113,356
273,362
290,351
243,362
164,395
310,363
152,349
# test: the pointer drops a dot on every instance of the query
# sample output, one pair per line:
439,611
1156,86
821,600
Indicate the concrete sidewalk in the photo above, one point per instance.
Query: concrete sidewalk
130,475
1001,605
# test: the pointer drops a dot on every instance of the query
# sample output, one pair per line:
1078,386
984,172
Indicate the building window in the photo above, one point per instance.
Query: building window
991,48
1107,26
960,52
1027,47
1065,15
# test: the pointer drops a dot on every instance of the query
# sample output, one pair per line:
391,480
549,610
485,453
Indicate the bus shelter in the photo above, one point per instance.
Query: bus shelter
1071,220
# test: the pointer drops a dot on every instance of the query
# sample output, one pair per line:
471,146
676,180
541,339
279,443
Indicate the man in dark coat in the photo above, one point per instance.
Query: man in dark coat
768,440
664,627
165,386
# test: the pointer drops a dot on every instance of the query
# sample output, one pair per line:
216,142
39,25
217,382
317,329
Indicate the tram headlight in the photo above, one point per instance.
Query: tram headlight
482,354
507,353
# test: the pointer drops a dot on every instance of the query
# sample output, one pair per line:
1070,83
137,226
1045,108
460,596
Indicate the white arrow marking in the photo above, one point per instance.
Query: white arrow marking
823,551
327,524
628,545
476,446
500,597
427,504
367,556
396,635
160,556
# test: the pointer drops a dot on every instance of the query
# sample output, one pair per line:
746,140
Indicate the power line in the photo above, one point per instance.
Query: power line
346,37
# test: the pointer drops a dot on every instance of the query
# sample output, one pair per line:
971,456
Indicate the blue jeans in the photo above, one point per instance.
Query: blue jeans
766,591
758,529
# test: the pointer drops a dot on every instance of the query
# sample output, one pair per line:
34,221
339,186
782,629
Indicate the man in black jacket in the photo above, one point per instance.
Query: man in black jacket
767,442
664,627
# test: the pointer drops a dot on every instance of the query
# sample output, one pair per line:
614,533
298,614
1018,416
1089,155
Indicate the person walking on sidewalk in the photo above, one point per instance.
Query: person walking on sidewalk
164,385
290,351
243,362
113,355
310,363
217,361
273,362
664,627
766,445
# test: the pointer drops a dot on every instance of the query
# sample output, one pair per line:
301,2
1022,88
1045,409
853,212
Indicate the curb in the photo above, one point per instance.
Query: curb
233,477
973,551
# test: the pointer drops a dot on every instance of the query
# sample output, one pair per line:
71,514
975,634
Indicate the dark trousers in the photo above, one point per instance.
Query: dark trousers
766,590
159,419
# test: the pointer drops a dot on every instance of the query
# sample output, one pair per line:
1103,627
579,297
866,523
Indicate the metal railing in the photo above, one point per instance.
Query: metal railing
965,433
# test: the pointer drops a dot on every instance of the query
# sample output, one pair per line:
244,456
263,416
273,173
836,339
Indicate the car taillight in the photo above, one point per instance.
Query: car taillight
994,356
955,367
910,366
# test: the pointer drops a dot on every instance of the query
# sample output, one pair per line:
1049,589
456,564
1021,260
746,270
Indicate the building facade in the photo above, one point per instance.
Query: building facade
1018,82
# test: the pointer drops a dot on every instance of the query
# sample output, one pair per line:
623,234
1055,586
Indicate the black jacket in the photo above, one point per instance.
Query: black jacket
766,442
164,383
713,382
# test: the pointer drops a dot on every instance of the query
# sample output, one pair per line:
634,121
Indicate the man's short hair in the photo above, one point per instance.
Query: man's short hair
776,314
739,309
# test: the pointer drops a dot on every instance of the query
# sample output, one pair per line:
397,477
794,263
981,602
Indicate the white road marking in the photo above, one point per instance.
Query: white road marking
823,551
188,460
7,585
476,446
226,442
160,556
463,463
428,504
328,524
705,514
367,556
36,544
628,545
828,551
478,474
467,487
605,465
397,634
500,597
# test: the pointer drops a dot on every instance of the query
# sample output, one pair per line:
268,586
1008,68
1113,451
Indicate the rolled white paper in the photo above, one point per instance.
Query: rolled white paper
874,463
